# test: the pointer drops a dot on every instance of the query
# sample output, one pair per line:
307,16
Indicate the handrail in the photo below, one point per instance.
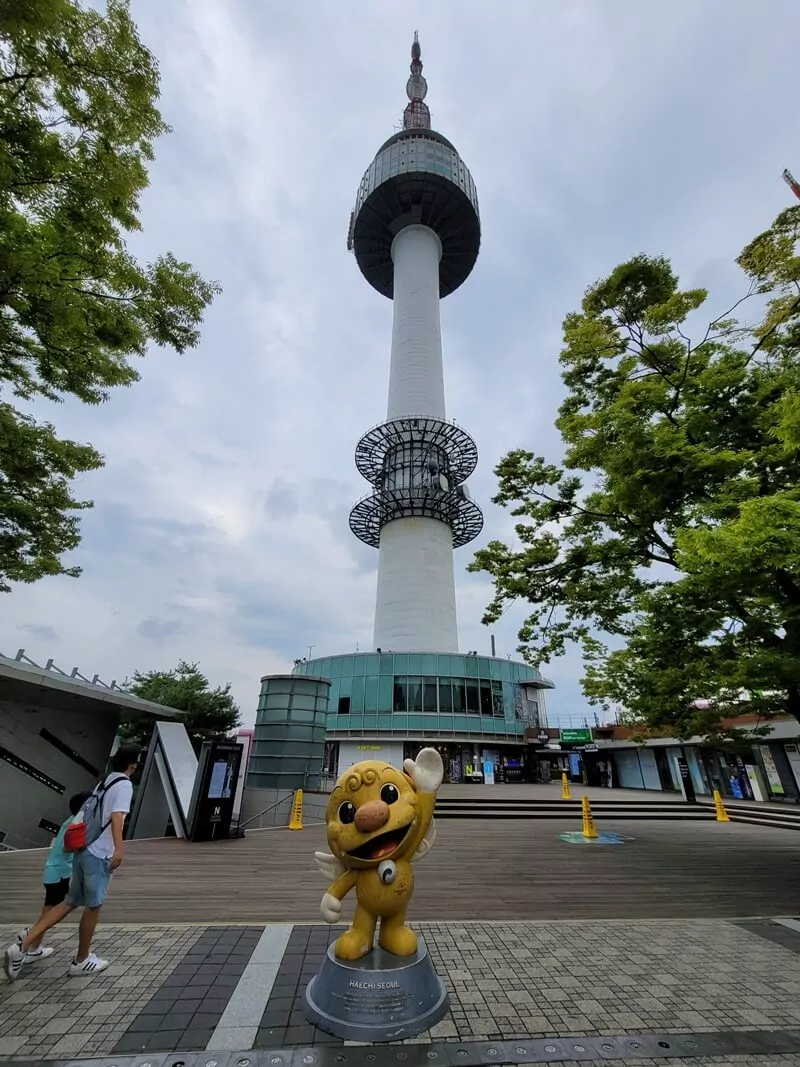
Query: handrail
280,800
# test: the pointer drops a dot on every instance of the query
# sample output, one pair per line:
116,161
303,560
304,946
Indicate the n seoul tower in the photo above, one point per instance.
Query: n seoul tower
415,233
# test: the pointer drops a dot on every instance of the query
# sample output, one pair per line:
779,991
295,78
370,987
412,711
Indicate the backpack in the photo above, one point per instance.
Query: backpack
85,827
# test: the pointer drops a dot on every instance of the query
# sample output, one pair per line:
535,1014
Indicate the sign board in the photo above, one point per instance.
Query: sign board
214,791
773,778
576,737
488,772
685,779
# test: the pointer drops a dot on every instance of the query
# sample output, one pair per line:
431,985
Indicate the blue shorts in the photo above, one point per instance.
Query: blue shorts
91,877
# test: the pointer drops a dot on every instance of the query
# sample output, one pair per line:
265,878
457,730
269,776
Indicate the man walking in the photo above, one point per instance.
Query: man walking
91,873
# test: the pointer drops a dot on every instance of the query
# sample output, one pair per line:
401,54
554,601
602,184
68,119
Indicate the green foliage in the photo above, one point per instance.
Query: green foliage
78,118
208,714
673,526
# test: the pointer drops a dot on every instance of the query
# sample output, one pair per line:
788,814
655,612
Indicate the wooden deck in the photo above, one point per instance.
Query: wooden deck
479,869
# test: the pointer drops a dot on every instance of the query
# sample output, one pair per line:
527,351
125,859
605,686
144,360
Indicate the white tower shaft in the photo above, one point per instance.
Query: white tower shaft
416,377
416,599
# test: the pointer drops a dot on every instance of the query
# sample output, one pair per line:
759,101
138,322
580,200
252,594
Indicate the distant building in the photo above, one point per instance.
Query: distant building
56,735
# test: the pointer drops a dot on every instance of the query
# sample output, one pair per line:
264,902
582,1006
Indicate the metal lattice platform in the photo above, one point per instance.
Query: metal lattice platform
372,513
424,432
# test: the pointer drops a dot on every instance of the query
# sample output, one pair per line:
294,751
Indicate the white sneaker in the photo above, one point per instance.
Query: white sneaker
41,953
91,965
13,961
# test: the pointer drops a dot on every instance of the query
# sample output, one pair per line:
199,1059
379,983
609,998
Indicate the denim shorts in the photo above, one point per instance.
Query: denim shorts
91,877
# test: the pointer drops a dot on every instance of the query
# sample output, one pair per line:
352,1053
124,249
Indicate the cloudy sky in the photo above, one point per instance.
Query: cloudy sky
593,131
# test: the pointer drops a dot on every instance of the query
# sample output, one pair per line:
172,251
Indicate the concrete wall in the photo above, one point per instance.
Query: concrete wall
37,777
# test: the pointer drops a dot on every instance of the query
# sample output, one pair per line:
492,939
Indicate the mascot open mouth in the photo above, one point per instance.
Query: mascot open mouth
381,845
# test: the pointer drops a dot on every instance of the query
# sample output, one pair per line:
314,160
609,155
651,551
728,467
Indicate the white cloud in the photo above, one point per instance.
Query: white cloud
219,532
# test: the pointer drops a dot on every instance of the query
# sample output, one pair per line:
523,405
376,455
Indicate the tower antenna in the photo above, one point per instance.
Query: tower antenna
416,115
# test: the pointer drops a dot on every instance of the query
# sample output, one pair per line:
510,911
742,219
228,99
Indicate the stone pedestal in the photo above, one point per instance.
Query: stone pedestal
381,997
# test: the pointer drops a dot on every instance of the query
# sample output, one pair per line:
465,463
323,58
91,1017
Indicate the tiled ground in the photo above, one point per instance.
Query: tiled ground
533,979
47,1015
174,988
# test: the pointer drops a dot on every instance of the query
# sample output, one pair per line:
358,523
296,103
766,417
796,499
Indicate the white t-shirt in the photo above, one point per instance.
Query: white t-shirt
117,798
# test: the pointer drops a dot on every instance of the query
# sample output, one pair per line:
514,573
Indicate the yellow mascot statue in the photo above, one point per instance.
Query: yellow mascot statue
379,821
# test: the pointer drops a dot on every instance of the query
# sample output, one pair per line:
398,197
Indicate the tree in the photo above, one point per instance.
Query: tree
208,714
78,118
672,529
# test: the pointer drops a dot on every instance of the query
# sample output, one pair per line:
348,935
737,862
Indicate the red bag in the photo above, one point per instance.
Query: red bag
75,837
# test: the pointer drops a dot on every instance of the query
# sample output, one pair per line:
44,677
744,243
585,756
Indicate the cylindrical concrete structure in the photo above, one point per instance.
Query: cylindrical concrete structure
415,607
416,378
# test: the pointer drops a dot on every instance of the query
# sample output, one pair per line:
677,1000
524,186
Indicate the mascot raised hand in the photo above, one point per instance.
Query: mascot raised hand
379,821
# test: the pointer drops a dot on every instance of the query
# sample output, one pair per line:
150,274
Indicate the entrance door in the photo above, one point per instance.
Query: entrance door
664,773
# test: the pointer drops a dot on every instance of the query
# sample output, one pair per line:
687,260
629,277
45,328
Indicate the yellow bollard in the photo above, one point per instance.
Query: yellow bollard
296,819
589,828
565,793
722,815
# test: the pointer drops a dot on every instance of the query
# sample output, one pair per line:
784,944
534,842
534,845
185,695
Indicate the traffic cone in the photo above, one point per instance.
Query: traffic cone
296,819
722,815
589,828
565,793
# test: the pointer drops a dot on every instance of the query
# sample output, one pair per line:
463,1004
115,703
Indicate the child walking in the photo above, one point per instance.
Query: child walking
57,875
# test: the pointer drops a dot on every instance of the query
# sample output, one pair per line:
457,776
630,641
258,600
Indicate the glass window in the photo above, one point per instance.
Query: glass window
344,687
445,695
336,667
486,698
429,665
357,696
417,722
385,693
400,663
459,703
415,694
473,702
344,705
399,702
471,666
508,700
347,667
359,666
373,664
446,665
388,722
387,664
370,722
497,698
495,669
370,694
333,695
415,663
429,695
505,670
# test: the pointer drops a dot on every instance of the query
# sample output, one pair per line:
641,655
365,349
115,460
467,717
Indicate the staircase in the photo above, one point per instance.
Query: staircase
776,815
514,807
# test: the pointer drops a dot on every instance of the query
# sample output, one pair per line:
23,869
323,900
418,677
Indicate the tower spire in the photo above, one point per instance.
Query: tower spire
416,115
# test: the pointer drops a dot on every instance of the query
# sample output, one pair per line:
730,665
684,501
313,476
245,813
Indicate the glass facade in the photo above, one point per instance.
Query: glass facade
289,735
417,153
427,694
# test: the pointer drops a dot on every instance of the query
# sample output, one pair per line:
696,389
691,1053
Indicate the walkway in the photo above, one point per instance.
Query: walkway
479,869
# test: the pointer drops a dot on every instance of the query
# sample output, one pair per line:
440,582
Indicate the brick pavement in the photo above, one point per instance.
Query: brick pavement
174,987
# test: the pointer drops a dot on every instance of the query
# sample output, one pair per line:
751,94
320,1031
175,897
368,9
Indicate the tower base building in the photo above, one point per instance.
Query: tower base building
415,234
474,709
